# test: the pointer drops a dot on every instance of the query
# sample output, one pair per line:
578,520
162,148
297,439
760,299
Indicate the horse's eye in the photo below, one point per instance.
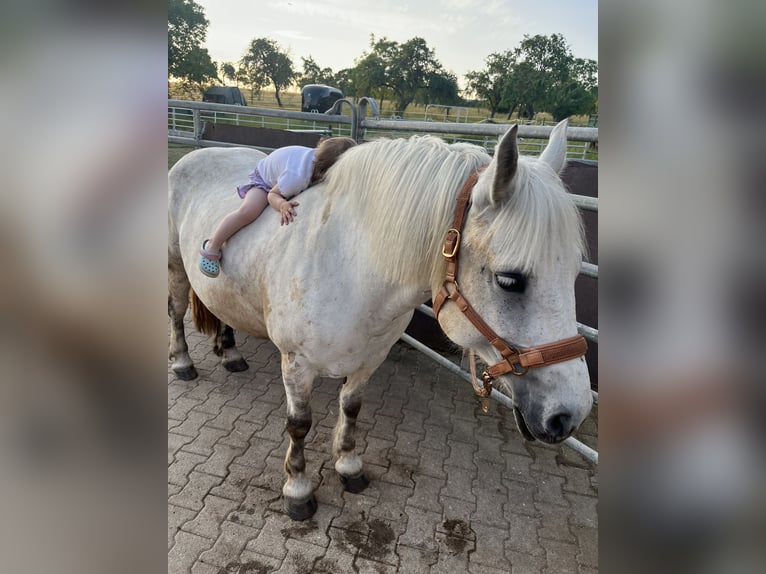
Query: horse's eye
515,282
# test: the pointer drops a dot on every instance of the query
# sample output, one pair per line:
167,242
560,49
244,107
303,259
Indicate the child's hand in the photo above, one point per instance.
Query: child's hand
287,212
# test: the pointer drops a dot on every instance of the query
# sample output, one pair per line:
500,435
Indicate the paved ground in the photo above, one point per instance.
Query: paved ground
452,489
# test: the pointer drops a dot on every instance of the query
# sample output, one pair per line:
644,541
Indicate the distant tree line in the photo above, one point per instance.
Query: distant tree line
541,74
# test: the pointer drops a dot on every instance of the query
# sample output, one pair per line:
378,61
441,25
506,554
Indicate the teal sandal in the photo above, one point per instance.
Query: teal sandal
209,261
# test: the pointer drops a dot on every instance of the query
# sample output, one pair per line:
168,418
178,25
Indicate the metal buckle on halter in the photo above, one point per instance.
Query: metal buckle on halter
520,373
454,247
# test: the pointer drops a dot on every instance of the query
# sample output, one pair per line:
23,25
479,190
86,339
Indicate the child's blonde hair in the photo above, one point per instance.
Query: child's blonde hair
328,151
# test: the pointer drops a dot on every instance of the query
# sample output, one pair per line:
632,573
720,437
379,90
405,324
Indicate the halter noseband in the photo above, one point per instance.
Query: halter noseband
516,361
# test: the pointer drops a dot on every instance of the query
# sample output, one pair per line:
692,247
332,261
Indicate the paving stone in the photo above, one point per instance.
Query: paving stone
314,530
229,545
202,568
461,455
181,408
587,542
252,563
259,413
336,560
365,566
584,510
546,460
185,551
435,438
412,422
421,528
354,513
381,539
426,492
560,556
400,469
226,418
212,404
449,563
208,522
218,463
233,486
523,535
274,429
251,510
440,415
525,563
456,517
517,467
489,546
205,441
579,481
392,500
175,442
240,436
377,449
192,423
549,490
202,389
432,462
178,472
519,498
177,517
478,568
384,426
555,523
459,483
257,453
173,489
271,541
300,557
192,495
415,560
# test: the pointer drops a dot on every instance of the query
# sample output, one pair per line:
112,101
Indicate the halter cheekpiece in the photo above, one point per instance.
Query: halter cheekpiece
516,361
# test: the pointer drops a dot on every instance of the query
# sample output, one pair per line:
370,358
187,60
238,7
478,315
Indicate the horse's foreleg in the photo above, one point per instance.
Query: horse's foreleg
225,347
349,463
178,303
297,491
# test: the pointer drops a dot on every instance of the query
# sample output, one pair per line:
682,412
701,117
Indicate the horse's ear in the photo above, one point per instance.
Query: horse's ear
507,157
555,153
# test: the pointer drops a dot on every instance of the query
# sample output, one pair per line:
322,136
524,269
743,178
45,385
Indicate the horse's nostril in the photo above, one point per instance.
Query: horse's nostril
559,426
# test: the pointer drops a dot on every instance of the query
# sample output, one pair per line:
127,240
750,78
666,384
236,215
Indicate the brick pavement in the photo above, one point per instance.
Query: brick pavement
452,489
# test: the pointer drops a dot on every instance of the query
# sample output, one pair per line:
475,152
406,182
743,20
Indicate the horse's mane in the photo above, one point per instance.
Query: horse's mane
405,191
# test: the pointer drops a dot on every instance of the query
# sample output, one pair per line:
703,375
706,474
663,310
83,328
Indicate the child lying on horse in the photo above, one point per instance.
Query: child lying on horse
279,176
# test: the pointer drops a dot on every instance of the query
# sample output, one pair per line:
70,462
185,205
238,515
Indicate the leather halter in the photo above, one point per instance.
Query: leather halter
516,361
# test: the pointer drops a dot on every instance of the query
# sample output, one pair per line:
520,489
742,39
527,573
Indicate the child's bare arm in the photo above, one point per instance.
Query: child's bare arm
282,205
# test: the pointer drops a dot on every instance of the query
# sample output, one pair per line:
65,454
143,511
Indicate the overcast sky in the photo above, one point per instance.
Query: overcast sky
335,32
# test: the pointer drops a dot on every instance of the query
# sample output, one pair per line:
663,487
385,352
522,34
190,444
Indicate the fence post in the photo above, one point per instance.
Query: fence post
363,113
335,110
197,124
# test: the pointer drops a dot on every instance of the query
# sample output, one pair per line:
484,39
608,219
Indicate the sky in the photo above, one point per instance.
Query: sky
335,32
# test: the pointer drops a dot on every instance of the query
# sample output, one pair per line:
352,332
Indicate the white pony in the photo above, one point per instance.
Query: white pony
336,289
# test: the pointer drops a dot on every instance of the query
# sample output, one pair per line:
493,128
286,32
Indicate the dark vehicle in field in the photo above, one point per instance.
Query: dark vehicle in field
319,98
225,95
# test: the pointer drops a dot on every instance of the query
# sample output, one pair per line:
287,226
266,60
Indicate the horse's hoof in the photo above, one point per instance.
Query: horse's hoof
186,373
355,484
236,365
301,509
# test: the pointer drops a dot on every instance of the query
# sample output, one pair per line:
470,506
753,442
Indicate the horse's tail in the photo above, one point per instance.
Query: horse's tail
204,320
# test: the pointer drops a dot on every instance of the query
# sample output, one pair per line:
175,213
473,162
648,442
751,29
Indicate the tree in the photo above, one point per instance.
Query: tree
265,63
490,84
313,74
228,72
541,74
187,29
